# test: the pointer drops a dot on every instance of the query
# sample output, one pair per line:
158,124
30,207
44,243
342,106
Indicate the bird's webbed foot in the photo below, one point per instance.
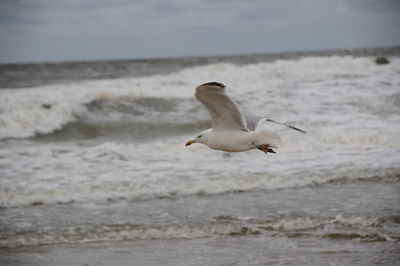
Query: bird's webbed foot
265,148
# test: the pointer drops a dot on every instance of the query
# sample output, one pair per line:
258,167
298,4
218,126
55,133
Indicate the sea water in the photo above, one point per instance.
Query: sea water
93,167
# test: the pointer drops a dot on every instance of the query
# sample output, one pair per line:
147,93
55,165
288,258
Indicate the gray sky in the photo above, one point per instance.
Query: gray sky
52,30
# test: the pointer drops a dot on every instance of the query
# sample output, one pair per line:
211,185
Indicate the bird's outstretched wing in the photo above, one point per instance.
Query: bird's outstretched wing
224,111
252,122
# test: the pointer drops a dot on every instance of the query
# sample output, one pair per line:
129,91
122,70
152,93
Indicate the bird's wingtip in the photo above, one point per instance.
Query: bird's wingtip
214,83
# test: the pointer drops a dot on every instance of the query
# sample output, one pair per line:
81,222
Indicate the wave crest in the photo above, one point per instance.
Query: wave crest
228,226
43,110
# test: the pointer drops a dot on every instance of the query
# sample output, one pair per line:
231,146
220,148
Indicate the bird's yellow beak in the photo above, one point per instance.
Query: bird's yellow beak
190,142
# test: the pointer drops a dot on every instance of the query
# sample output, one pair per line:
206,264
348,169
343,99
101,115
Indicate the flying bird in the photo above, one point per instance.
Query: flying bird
231,130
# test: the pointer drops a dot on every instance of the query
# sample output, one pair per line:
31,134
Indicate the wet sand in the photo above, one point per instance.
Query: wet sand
259,250
251,233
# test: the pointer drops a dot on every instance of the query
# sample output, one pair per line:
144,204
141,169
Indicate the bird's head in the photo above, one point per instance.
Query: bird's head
202,137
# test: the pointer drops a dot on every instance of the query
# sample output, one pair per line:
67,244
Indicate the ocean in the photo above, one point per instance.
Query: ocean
94,170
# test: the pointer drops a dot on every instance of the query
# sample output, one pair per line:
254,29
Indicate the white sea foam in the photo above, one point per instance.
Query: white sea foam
65,173
347,105
279,88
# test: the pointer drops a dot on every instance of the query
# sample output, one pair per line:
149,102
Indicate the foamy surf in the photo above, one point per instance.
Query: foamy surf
138,171
330,227
43,110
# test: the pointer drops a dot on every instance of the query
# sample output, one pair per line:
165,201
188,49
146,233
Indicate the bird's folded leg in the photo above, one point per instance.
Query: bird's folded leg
265,148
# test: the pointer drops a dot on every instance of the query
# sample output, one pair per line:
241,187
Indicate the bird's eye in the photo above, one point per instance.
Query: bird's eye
199,136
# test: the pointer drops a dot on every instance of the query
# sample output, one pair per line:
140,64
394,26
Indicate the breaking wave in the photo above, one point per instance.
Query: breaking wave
349,107
43,110
338,227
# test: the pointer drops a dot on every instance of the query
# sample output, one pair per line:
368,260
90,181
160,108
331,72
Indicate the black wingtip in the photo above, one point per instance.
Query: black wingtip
219,84
298,129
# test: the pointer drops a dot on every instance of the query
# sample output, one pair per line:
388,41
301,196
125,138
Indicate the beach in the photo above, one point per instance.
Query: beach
94,170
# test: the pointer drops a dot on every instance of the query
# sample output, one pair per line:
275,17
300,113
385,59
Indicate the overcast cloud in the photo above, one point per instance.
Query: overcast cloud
50,30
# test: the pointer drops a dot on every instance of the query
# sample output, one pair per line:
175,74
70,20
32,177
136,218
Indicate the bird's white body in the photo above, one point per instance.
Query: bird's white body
238,140
231,141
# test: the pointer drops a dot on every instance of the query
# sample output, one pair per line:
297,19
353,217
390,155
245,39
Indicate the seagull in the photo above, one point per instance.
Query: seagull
231,130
